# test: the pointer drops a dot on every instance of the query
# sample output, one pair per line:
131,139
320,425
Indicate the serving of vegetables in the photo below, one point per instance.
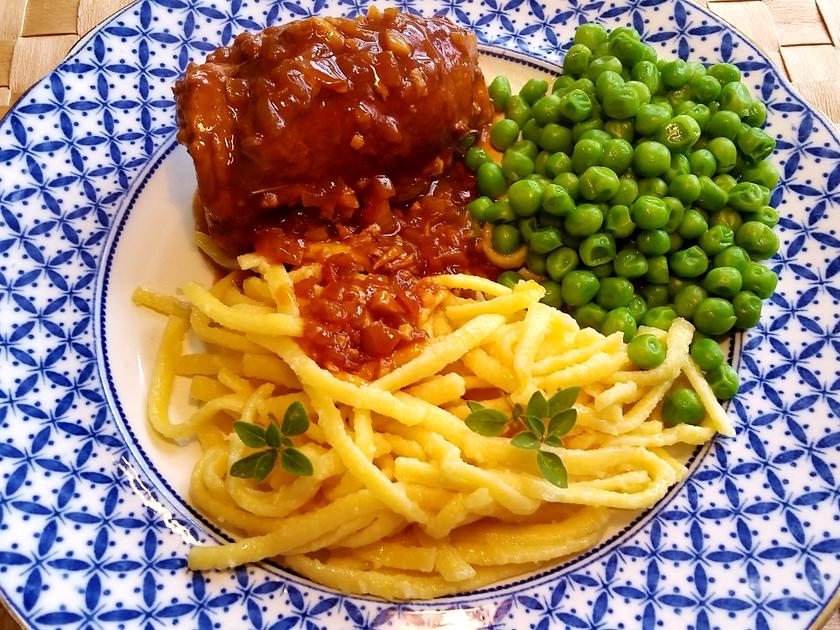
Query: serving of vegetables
638,190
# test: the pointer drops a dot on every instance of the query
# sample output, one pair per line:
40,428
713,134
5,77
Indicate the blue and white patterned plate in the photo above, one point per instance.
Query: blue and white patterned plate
94,198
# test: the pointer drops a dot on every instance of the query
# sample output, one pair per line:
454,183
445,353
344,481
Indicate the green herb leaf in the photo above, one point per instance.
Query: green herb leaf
537,405
562,399
553,440
467,141
474,406
296,463
488,422
526,439
251,435
272,434
535,424
255,466
562,422
517,410
286,441
295,420
552,468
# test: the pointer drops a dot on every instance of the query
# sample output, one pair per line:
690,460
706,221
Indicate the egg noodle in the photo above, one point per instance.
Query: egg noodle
405,500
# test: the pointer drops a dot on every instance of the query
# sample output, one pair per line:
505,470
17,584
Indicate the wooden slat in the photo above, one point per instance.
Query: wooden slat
92,12
50,17
830,13
753,19
812,63
35,56
799,22
7,47
12,13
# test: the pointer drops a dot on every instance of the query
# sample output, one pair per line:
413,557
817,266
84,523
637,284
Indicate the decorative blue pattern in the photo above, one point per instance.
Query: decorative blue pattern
752,539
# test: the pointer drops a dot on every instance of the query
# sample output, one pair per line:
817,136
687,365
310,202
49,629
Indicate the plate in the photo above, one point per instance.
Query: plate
94,197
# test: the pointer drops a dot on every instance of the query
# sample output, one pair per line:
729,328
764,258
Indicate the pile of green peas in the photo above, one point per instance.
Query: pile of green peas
640,187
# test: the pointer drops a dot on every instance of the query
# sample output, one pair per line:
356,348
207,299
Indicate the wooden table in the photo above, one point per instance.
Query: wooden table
801,36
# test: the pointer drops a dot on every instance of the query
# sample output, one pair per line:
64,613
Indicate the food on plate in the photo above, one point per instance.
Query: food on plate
314,113
378,413
494,451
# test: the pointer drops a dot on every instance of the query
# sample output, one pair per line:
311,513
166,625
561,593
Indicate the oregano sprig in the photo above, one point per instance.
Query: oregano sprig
542,422
277,440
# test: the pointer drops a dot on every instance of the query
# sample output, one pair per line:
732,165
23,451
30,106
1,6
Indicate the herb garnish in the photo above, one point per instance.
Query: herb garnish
543,422
278,440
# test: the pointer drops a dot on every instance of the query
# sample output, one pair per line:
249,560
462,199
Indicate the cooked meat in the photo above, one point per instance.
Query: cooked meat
310,112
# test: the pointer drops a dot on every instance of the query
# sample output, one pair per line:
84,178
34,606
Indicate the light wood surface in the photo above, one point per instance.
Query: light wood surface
801,36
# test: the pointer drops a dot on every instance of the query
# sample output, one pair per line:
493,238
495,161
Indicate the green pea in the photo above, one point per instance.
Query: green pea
646,72
506,239
478,207
660,316
674,73
637,307
490,180
655,295
617,155
607,81
675,285
547,109
735,97
762,173
724,72
689,263
509,278
723,282
628,192
590,316
577,59
500,212
532,131
555,138
627,49
597,183
760,280
655,186
526,147
712,197
699,112
714,316
525,197
716,239
621,102
553,294
766,215
560,262
724,124
707,354
584,220
545,240
581,128
641,90
682,406
603,64
686,188
679,133
724,382
557,163
590,35
757,115
518,110
651,118
747,307
653,242
725,182
549,220
597,249
533,90
619,320
499,90
650,213
657,272
646,351
727,217
705,89
703,163
676,212
556,200
527,226
687,299
535,262
475,157
630,263
651,158
746,197
586,153
618,221
614,292
758,239
733,256
515,166
676,242
602,271
755,144
575,105
724,152
539,164
504,133
569,181
620,129
579,287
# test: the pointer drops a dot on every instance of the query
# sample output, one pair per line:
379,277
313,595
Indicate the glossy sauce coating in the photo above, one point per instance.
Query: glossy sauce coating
311,112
